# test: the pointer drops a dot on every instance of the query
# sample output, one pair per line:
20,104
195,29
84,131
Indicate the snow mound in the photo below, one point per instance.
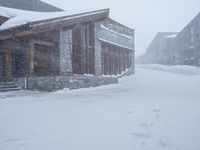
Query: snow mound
182,69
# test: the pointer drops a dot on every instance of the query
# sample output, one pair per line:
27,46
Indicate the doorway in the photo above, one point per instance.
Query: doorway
42,60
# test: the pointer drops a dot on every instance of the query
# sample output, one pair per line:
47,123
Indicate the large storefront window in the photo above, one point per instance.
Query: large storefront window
83,59
115,59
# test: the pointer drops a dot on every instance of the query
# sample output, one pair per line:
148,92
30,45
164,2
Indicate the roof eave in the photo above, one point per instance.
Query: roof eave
49,24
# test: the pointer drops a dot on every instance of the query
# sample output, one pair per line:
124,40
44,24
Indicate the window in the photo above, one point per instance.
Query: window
115,59
83,55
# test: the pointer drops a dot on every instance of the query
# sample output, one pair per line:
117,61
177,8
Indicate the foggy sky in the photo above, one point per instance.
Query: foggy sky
147,17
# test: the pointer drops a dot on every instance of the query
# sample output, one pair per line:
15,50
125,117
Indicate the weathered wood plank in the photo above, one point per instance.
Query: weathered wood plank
45,43
8,63
82,50
31,57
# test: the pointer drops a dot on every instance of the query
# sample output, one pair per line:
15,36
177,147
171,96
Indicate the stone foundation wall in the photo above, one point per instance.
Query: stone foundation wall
55,83
21,82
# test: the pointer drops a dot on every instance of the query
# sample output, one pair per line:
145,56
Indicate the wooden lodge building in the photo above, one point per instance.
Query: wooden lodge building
58,50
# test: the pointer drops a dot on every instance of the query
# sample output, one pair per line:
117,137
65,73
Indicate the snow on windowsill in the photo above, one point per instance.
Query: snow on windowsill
171,36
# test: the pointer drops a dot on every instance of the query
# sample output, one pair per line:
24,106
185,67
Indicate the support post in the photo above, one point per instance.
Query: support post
65,52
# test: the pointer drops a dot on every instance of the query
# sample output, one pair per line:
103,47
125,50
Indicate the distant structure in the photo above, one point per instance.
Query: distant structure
142,59
62,50
32,5
187,44
169,48
161,48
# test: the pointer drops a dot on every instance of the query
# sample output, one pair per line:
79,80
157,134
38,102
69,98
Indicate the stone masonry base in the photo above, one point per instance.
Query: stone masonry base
54,83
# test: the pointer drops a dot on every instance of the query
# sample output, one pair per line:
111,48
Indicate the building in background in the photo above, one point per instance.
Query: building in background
32,5
142,59
169,48
160,49
187,44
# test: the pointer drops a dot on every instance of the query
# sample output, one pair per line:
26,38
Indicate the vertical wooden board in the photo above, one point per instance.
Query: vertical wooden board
82,42
115,61
102,59
31,57
1,63
109,61
112,61
92,43
77,51
127,59
106,60
84,37
8,63
89,49
117,57
121,62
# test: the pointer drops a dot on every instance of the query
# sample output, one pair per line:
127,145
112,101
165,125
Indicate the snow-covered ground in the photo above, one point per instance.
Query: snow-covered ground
152,110
189,70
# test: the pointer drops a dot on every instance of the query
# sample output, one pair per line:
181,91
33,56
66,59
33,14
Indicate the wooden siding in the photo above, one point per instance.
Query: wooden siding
83,49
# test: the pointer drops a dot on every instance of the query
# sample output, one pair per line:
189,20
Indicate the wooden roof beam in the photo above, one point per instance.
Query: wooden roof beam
40,42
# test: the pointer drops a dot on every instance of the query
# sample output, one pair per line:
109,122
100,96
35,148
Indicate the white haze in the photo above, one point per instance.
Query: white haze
147,17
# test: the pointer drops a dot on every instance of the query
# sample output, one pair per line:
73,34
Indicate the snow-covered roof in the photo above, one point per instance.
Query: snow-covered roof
171,36
120,34
21,17
32,5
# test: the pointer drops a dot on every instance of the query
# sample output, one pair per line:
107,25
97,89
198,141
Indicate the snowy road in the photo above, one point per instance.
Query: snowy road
152,110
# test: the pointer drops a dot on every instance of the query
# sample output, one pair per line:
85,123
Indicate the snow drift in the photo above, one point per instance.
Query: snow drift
182,69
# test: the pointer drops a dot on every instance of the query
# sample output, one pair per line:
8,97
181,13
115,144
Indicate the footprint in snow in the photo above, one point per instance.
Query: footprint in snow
165,142
157,113
156,110
139,135
157,116
12,140
131,110
146,124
